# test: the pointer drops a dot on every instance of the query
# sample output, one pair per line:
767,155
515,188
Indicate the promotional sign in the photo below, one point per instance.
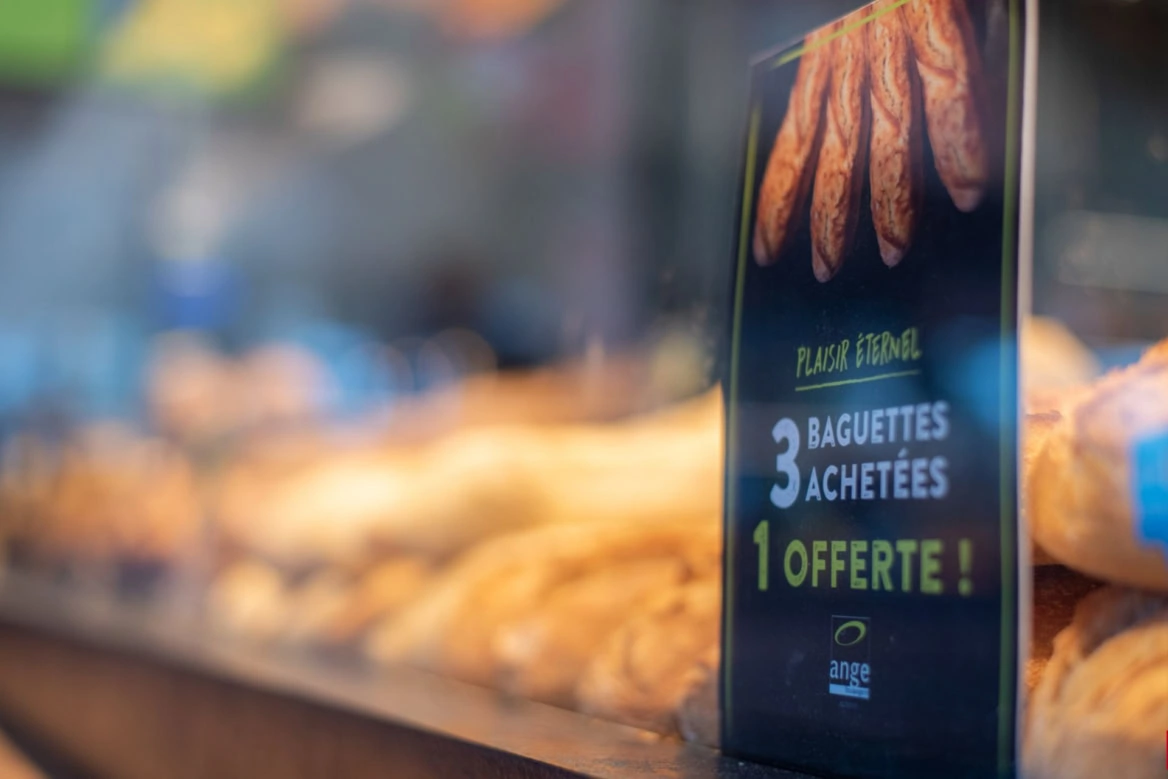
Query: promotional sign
872,580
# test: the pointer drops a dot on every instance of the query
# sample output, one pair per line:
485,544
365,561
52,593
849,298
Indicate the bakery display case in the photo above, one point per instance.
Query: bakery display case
363,405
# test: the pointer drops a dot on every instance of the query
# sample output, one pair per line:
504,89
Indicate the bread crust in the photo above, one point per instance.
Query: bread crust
699,718
896,151
381,592
454,628
839,176
1035,430
1078,490
646,670
1101,706
791,165
542,654
951,73
1057,592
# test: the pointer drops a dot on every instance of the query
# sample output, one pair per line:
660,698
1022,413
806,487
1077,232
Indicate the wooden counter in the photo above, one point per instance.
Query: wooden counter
136,692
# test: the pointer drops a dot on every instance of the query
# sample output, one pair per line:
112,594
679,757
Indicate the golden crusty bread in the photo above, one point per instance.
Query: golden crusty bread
843,154
1102,705
895,179
791,165
382,591
646,670
1043,407
439,500
543,653
1057,591
107,495
1053,359
951,74
249,600
1036,428
1078,488
698,718
453,628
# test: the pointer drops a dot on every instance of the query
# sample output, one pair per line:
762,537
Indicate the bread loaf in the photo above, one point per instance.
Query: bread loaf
950,72
647,669
380,593
455,627
1101,707
1078,489
542,654
791,165
895,173
1053,361
1057,591
699,718
839,175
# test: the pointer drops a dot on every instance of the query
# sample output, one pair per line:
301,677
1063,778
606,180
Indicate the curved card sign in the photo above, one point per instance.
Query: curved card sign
874,594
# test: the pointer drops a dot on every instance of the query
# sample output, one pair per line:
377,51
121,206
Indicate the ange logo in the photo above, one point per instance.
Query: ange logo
851,632
850,671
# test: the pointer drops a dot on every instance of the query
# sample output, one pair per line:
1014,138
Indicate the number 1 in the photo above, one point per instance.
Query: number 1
762,537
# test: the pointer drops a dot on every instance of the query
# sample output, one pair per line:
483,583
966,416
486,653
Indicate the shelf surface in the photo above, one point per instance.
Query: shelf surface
437,721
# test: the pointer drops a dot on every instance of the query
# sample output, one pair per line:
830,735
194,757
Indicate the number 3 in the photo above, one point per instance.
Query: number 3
784,497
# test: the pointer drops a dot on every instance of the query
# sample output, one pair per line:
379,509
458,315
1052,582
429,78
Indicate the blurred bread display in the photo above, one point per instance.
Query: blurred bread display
571,557
103,497
486,618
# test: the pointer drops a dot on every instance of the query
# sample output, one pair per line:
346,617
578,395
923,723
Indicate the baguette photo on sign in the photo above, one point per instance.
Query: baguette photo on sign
868,92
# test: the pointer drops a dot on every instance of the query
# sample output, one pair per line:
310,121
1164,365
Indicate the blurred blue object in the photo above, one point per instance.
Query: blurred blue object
197,295
1150,460
18,368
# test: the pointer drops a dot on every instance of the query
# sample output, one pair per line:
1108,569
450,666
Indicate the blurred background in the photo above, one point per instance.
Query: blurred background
534,180
537,180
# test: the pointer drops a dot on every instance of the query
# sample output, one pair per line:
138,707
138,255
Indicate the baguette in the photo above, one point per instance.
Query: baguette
648,668
454,627
791,164
699,718
839,176
895,174
382,592
440,499
950,70
542,655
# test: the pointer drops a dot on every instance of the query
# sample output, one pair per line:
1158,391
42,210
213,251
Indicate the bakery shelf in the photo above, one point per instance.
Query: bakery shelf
131,689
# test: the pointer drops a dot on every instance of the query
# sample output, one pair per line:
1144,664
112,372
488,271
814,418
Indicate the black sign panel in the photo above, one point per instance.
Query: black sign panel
871,622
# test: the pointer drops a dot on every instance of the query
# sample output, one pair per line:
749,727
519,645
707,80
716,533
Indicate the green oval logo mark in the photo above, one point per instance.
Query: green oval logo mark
861,631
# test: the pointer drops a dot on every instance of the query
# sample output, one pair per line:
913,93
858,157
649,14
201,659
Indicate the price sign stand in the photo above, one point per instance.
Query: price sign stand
876,590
